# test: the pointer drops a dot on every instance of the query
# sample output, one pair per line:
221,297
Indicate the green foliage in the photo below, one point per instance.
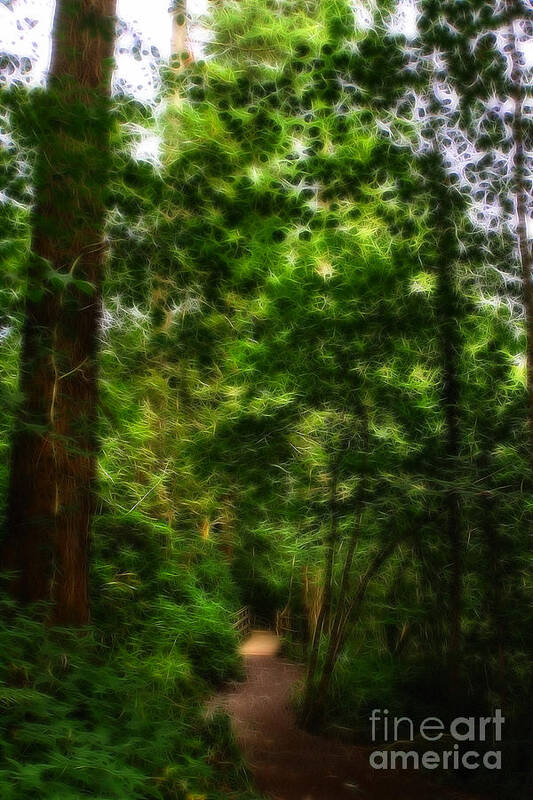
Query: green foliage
279,296
116,710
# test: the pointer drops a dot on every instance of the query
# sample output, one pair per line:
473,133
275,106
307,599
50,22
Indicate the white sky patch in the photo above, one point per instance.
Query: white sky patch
148,147
25,30
527,49
405,19
363,13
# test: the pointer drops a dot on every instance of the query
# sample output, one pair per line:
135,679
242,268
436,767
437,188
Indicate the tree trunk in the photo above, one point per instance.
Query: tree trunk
54,447
450,397
310,689
180,49
325,607
447,309
525,249
313,713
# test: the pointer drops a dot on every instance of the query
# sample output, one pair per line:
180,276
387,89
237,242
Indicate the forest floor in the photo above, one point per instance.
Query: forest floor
288,763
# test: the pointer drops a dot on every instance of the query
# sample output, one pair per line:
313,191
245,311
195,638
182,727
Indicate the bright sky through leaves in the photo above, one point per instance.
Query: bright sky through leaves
25,31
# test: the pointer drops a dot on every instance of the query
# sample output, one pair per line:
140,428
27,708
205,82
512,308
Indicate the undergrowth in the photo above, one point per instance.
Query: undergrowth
116,710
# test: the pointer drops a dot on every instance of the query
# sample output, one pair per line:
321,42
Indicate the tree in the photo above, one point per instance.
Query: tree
180,49
476,49
482,107
448,311
54,447
301,234
517,91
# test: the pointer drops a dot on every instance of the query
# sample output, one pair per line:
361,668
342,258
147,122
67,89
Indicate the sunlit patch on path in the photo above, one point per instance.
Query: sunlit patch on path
260,643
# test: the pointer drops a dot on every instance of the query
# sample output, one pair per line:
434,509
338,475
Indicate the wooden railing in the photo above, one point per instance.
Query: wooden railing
242,621
286,624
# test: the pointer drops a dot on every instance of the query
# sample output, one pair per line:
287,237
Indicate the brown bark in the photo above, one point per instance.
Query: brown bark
313,712
54,447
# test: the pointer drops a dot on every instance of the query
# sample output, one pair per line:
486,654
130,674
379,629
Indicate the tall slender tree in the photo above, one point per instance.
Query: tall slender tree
54,447
448,312
521,199
180,49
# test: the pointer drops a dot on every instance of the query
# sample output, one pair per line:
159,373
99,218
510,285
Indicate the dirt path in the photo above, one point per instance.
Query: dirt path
290,764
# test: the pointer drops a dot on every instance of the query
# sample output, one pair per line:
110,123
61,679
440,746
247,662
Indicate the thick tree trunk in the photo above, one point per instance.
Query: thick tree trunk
54,447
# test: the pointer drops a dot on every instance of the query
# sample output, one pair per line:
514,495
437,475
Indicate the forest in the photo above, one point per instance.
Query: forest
272,378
